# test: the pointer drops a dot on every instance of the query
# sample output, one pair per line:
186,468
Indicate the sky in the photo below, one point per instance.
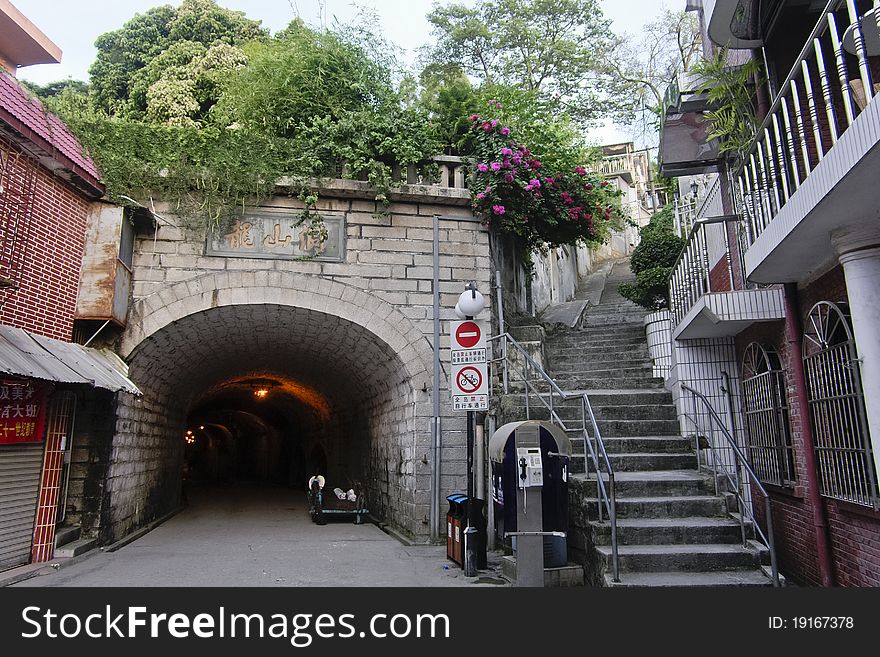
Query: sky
74,26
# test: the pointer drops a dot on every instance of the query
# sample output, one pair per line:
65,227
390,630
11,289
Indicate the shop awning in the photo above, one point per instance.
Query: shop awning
25,354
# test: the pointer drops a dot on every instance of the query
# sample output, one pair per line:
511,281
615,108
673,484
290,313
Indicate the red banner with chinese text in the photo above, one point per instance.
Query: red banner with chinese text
22,411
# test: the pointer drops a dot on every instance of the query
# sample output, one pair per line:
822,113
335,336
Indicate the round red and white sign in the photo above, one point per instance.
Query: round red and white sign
469,380
467,335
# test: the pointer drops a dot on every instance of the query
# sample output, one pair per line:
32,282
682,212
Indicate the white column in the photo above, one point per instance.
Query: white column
861,268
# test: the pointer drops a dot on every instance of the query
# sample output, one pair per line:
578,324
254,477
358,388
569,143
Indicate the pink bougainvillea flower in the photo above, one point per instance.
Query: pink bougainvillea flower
494,123
604,183
482,168
488,189
508,177
506,152
495,166
505,131
580,170
534,182
505,164
487,126
588,186
498,209
475,118
480,196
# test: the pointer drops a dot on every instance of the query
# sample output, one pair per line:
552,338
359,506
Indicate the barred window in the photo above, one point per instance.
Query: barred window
766,416
837,407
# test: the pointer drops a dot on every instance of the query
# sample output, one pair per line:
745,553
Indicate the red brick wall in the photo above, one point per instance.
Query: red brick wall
719,277
45,301
854,532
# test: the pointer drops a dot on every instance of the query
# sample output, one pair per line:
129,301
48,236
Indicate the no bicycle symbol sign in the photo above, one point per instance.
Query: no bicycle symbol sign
469,380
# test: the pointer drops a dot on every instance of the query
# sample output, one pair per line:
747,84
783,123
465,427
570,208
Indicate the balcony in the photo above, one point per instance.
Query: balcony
685,148
729,22
813,165
704,299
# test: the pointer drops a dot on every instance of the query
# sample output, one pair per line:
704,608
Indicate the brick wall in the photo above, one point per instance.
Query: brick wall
45,301
854,532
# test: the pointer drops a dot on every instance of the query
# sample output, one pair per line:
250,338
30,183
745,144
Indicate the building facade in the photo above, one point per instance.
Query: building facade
774,308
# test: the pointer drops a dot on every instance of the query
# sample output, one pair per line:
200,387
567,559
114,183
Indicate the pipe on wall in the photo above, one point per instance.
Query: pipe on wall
793,336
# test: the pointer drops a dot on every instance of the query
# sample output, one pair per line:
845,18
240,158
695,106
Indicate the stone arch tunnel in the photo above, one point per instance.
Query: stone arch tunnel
274,384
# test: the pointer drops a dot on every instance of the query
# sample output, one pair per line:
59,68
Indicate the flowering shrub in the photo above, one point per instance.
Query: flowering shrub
514,193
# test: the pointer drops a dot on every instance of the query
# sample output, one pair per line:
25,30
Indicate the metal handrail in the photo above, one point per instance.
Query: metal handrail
736,480
606,496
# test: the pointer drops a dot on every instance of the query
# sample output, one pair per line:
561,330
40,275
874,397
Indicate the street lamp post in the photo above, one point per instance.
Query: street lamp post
470,304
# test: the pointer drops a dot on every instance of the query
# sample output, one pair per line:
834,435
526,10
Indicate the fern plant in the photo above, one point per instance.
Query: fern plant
731,91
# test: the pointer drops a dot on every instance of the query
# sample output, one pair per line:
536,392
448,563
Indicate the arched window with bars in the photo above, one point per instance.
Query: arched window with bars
766,416
837,407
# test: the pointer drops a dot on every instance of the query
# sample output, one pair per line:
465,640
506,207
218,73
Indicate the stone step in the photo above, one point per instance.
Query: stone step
65,535
669,506
622,397
734,578
597,352
671,531
653,484
646,461
562,577
635,372
603,336
609,319
559,364
571,410
635,428
589,383
76,548
684,558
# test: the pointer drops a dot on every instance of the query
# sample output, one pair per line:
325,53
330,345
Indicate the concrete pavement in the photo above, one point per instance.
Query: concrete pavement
261,536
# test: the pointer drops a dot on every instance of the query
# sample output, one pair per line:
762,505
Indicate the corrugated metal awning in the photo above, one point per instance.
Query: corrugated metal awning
25,354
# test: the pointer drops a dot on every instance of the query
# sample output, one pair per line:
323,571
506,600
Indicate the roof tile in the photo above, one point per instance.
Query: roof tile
30,111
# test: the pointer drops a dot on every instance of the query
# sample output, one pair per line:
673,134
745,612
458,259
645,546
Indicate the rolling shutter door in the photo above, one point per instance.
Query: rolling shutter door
20,467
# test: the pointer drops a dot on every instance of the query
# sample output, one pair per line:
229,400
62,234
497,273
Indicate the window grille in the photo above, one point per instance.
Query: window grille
837,407
768,430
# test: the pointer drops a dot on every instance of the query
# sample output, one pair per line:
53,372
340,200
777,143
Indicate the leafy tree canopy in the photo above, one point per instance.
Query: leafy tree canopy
121,75
554,48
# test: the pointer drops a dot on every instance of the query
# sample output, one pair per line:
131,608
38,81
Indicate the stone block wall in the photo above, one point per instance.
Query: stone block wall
383,287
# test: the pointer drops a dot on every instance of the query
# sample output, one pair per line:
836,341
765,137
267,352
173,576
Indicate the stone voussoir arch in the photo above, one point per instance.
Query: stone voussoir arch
218,289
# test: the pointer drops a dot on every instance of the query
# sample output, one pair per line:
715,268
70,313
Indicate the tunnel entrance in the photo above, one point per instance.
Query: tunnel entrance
267,394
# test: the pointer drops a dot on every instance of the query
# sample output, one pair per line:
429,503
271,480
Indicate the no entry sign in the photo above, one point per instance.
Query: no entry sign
468,343
468,335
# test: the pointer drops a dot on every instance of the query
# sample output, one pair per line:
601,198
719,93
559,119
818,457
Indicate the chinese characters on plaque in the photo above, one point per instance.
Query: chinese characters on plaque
274,233
22,411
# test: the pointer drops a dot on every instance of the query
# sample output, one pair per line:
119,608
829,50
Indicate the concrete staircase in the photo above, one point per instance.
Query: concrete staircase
673,530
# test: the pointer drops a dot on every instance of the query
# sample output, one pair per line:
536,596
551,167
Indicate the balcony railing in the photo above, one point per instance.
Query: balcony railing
614,165
691,276
815,106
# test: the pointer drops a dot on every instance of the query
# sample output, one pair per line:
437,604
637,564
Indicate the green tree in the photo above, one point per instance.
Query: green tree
554,48
54,89
652,262
119,83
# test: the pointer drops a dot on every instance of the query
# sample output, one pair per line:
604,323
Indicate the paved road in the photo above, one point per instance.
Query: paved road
256,536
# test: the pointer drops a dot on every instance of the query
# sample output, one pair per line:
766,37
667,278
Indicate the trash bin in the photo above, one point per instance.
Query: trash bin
482,534
555,456
454,531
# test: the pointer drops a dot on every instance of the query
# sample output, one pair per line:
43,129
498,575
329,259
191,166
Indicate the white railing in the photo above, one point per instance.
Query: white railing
817,103
614,165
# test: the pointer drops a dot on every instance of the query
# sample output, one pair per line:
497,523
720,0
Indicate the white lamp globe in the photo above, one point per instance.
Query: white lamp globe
471,303
458,313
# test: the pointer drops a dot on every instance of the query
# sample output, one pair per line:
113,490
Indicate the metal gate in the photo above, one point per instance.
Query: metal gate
837,407
766,416
20,467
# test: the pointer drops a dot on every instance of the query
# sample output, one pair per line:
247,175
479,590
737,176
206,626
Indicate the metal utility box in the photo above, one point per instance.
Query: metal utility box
550,461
